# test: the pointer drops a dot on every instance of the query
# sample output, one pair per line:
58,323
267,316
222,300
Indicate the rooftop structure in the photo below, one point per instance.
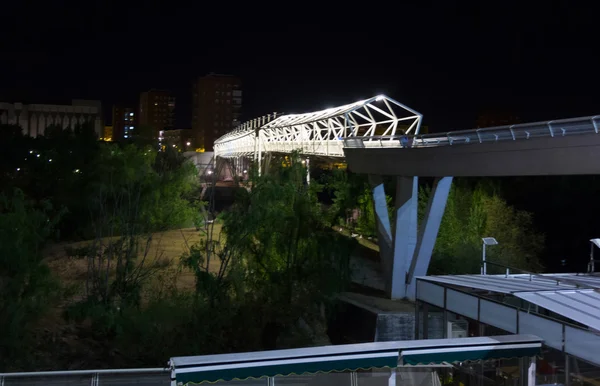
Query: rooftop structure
562,309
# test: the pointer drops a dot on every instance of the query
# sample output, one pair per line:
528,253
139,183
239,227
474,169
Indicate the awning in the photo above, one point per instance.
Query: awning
473,353
346,358
259,369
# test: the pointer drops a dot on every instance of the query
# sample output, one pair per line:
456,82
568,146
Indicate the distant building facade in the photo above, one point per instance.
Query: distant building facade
181,139
156,112
35,118
216,108
123,122
108,134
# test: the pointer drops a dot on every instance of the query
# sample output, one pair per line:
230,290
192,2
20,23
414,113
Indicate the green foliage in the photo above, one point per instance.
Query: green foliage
26,284
280,262
473,213
352,194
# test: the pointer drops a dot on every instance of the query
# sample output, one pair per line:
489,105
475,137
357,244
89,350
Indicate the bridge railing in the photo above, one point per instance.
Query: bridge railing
557,128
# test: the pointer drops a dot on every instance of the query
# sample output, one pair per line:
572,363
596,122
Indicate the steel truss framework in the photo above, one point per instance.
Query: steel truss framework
320,133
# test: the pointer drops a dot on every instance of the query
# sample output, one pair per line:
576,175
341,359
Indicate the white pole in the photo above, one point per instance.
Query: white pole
484,267
392,379
259,153
531,371
307,171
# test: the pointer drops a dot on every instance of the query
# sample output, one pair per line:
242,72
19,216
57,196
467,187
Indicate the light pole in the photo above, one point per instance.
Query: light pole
486,241
591,266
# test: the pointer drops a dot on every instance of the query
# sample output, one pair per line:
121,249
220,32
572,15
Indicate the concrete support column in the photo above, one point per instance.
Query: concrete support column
307,171
405,233
384,229
428,233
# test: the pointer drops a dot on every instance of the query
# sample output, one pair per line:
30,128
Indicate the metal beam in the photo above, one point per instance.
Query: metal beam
428,233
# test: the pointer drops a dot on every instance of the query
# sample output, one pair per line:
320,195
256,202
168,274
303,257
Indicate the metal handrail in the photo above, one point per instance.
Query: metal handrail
537,275
563,127
156,370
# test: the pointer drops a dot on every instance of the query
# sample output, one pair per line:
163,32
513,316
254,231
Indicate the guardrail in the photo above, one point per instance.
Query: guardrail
115,377
557,128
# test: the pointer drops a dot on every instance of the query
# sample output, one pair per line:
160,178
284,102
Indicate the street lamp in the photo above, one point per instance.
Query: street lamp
486,241
591,266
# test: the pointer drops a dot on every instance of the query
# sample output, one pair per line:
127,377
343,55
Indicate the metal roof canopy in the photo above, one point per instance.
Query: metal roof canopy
575,297
582,306
519,282
211,368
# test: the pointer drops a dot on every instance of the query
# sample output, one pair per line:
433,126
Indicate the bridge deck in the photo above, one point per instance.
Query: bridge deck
564,155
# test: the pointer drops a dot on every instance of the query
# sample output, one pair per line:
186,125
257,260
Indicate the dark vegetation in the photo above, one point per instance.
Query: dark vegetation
265,273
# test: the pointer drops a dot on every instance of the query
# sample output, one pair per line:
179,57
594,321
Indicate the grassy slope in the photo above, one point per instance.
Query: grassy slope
69,341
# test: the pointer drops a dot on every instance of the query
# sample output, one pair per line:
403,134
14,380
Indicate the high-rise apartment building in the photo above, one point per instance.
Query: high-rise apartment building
123,122
156,113
216,108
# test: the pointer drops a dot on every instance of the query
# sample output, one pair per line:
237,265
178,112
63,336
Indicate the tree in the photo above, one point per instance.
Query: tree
132,193
353,204
475,212
280,261
26,284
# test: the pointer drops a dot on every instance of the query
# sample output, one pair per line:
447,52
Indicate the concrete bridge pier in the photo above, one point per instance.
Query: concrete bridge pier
405,246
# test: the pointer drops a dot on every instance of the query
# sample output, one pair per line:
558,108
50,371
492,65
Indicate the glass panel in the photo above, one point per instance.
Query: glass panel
462,304
546,329
245,382
583,344
430,293
498,316
584,373
66,380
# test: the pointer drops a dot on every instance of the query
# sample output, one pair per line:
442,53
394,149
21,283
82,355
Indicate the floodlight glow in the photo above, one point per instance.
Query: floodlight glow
379,98
188,143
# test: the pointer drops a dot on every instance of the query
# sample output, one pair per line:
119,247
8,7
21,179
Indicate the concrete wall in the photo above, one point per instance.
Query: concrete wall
575,154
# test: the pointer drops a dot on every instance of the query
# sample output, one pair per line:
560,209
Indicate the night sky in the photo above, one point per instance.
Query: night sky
448,62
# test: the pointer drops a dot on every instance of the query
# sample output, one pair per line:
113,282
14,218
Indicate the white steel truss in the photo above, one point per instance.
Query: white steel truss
320,133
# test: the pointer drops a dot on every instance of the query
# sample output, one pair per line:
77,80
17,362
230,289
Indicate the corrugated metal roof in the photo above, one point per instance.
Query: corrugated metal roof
573,296
520,282
499,283
582,306
588,280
